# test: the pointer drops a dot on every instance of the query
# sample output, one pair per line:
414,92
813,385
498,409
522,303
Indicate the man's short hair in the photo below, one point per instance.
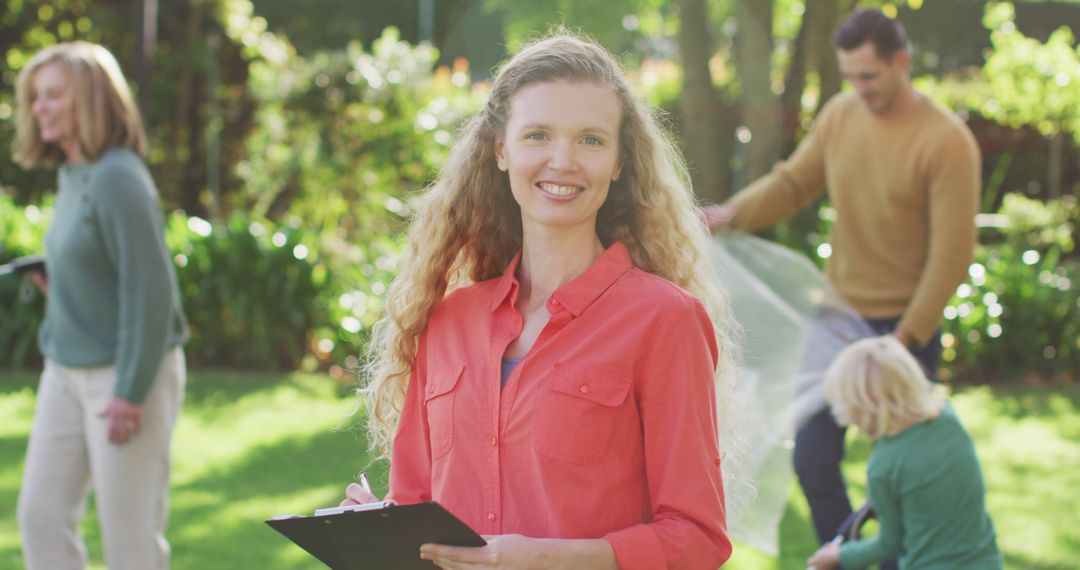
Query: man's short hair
866,25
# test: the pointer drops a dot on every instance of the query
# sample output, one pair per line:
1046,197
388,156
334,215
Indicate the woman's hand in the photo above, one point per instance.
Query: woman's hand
828,556
357,495
125,420
40,281
513,551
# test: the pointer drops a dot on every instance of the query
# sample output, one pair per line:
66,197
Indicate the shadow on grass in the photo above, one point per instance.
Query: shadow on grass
1019,402
10,482
211,386
227,507
1030,564
203,385
797,540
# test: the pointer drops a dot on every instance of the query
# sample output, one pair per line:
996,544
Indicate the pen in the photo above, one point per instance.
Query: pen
364,482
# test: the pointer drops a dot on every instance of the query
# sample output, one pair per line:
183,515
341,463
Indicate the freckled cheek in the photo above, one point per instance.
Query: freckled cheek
606,170
527,164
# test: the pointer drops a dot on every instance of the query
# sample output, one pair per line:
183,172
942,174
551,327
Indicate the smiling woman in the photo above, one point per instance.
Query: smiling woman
54,106
547,369
561,154
114,370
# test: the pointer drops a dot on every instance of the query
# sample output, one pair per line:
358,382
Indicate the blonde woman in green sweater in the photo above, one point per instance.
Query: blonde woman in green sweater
114,370
924,479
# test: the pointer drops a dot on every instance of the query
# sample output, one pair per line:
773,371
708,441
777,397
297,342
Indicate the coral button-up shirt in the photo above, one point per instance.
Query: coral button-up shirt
605,429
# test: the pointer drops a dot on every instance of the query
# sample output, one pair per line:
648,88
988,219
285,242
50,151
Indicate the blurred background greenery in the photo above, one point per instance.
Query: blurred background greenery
290,140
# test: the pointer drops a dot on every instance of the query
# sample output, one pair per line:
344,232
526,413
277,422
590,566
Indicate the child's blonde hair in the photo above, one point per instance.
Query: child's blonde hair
878,386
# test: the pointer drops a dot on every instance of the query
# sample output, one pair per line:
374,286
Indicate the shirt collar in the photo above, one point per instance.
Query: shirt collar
507,283
579,293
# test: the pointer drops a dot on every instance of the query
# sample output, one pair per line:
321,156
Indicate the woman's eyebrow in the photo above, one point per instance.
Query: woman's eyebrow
547,127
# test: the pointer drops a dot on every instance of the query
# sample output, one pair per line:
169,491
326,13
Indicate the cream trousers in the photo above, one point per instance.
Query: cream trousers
70,453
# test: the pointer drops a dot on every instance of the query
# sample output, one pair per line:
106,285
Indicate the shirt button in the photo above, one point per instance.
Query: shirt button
491,517
494,441
584,389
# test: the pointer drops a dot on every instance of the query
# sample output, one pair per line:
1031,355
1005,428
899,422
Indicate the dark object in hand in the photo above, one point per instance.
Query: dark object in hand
23,265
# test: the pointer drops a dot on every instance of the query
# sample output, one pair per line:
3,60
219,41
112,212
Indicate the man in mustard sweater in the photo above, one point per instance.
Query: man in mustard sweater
904,177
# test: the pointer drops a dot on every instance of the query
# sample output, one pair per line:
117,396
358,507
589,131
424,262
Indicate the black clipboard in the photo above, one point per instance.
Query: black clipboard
23,265
385,538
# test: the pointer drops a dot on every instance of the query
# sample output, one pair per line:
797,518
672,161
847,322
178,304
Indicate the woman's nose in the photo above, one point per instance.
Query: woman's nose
562,157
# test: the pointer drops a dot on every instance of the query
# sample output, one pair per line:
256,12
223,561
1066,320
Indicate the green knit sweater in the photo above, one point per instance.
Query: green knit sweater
926,486
113,297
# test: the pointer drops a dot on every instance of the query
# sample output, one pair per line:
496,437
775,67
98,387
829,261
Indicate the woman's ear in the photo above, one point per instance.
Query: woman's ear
500,154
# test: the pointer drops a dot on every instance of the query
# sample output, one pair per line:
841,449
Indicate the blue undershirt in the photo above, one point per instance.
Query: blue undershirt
508,365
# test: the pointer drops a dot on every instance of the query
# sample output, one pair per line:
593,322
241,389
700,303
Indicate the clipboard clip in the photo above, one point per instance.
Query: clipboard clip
375,506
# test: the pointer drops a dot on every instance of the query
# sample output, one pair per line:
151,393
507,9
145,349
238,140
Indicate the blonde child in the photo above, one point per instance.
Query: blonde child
924,480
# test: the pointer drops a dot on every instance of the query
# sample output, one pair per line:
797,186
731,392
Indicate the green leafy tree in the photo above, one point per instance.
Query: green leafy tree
1028,82
344,141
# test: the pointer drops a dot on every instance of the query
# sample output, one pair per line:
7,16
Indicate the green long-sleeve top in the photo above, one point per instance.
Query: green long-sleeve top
113,296
926,487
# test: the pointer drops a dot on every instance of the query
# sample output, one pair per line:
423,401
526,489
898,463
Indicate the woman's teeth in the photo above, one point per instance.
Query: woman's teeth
559,190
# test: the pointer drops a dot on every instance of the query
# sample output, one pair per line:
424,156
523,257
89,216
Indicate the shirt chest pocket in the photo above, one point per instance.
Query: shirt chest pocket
439,401
575,420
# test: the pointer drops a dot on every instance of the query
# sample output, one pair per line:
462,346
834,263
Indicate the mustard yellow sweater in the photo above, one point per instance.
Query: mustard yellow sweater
906,191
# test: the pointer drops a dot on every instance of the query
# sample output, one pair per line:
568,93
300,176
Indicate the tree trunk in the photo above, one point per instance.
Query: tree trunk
185,130
1054,164
795,82
813,55
760,106
147,11
831,14
699,106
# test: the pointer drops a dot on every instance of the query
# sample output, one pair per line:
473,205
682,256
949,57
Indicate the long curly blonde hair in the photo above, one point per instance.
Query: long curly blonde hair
468,226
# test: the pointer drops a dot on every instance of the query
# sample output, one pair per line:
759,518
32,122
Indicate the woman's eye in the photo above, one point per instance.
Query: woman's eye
592,140
535,136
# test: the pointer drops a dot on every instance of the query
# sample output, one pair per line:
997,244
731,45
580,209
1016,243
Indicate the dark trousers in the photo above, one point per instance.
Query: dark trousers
819,449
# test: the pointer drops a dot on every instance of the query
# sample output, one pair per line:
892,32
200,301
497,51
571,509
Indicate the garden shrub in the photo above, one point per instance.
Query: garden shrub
22,232
252,292
346,140
1018,311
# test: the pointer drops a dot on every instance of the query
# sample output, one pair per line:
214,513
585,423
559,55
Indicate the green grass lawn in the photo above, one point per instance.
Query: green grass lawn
249,446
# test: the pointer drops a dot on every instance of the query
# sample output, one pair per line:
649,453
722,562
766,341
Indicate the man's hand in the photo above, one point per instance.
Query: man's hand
904,338
718,216
125,420
40,281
